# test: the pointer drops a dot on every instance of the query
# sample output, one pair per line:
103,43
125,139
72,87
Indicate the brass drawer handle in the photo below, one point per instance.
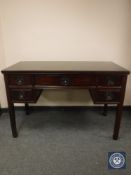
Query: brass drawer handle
65,81
21,96
110,82
109,96
20,81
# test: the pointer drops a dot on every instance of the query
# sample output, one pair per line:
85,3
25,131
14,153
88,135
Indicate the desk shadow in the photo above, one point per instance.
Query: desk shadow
82,120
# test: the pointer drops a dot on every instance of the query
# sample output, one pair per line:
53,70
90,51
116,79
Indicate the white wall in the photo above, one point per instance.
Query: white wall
67,30
2,65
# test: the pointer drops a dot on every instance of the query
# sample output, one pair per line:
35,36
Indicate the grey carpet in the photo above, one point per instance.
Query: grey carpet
62,143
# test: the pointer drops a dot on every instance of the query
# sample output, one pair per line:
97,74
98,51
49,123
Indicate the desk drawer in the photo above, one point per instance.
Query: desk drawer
65,80
105,96
109,80
24,95
20,80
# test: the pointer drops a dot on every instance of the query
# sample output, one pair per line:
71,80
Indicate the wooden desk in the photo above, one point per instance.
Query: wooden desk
105,81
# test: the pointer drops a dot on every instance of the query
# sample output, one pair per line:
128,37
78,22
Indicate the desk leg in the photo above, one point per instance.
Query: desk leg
117,121
105,110
119,110
27,111
12,119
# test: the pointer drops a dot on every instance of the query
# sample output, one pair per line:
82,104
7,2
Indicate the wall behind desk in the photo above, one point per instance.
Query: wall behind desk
92,30
3,101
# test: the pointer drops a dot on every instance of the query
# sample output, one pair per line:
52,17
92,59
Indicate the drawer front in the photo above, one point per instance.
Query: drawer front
21,95
20,80
109,80
25,95
105,96
65,80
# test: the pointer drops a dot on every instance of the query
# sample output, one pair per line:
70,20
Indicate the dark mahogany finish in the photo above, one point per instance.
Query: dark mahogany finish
65,80
106,82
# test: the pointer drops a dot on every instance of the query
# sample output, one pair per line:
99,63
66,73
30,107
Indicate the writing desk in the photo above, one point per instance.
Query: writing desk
105,81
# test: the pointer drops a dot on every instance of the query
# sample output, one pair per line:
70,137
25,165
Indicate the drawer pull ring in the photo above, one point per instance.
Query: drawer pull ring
19,81
21,96
65,81
110,82
109,96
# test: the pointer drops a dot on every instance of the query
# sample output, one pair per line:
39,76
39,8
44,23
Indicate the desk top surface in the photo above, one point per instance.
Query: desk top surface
65,66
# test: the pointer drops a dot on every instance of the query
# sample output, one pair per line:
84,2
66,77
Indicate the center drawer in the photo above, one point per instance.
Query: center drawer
65,80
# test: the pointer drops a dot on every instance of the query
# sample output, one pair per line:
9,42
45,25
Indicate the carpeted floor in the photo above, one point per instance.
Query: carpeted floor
60,142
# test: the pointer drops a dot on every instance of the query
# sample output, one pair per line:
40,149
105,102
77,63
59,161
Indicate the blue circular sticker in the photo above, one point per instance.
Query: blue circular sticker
117,160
